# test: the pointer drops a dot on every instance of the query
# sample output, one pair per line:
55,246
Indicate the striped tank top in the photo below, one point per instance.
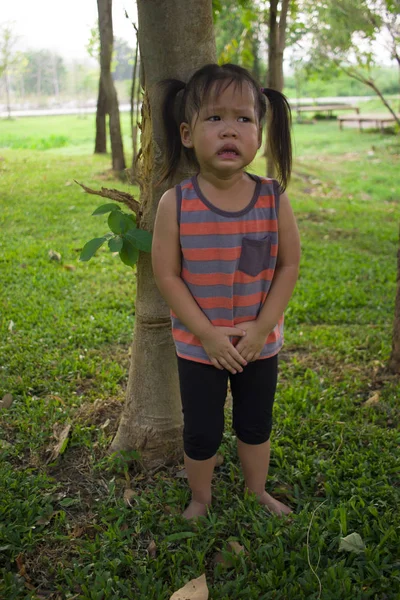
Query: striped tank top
228,261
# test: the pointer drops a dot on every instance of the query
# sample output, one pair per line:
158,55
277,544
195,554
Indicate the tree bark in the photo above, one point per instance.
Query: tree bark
106,48
175,39
133,93
276,48
394,361
100,146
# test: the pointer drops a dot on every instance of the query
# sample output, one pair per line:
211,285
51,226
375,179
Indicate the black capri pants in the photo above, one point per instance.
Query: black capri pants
203,394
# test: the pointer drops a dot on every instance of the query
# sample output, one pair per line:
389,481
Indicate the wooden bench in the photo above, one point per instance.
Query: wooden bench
379,119
329,108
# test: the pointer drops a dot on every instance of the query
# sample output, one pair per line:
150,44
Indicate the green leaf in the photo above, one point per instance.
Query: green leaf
120,222
69,501
140,238
352,543
129,254
91,247
105,208
115,244
182,535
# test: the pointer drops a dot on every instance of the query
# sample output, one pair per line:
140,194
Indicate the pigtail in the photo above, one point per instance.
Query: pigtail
279,139
169,114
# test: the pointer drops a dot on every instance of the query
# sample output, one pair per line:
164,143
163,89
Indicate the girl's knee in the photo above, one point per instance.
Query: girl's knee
201,446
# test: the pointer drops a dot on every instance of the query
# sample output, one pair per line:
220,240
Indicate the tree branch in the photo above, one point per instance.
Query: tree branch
117,195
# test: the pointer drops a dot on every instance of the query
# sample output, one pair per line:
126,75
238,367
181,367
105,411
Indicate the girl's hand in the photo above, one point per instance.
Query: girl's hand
250,346
221,351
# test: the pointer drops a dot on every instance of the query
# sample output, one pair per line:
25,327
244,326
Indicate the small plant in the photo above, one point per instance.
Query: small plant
124,238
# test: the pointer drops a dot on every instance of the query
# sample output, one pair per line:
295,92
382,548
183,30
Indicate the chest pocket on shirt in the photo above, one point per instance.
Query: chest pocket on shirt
255,255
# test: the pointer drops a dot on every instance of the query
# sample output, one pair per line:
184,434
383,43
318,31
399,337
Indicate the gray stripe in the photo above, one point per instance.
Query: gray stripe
190,350
226,291
207,216
225,240
210,266
267,189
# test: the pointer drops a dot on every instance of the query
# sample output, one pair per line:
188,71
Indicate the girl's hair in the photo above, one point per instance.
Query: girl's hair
215,79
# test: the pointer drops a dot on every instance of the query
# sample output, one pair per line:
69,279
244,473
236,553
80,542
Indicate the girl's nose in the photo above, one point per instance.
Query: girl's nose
229,131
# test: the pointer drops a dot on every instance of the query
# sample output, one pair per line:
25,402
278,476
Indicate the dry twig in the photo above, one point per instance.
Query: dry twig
117,195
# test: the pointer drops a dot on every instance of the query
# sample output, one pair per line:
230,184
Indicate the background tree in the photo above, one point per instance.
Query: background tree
342,35
108,99
45,73
123,59
175,38
8,60
100,143
236,33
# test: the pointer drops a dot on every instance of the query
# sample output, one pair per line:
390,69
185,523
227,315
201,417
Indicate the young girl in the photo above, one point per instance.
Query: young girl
225,256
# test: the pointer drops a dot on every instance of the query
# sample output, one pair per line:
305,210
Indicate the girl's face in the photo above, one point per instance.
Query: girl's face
226,133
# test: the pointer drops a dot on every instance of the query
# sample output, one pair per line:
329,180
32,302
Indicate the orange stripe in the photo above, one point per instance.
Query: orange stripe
187,186
265,202
224,278
222,302
229,227
185,337
191,205
212,253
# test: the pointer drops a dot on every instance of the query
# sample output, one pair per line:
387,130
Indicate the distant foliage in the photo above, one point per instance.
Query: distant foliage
44,74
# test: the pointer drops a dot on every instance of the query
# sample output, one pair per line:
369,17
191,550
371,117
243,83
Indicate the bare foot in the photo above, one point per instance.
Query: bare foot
195,509
274,505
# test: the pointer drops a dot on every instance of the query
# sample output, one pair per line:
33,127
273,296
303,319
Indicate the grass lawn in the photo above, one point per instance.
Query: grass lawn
66,330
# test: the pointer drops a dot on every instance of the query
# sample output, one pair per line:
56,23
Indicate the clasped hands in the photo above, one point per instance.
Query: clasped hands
224,354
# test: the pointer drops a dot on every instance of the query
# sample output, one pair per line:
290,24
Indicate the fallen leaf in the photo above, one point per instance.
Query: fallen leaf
21,567
219,460
374,399
352,543
196,589
128,495
181,473
105,424
77,531
232,548
53,255
45,519
70,267
61,445
6,401
11,326
152,549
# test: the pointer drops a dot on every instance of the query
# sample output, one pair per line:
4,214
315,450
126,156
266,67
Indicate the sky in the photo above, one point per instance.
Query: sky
63,26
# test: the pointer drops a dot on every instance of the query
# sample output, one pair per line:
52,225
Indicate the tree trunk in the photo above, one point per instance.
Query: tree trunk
106,48
7,86
175,39
133,109
100,146
276,48
394,361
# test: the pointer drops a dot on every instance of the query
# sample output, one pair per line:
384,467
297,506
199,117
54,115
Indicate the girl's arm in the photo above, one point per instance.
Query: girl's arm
166,261
287,268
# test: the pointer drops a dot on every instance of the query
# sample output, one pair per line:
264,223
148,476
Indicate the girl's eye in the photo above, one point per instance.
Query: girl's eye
244,119
213,118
